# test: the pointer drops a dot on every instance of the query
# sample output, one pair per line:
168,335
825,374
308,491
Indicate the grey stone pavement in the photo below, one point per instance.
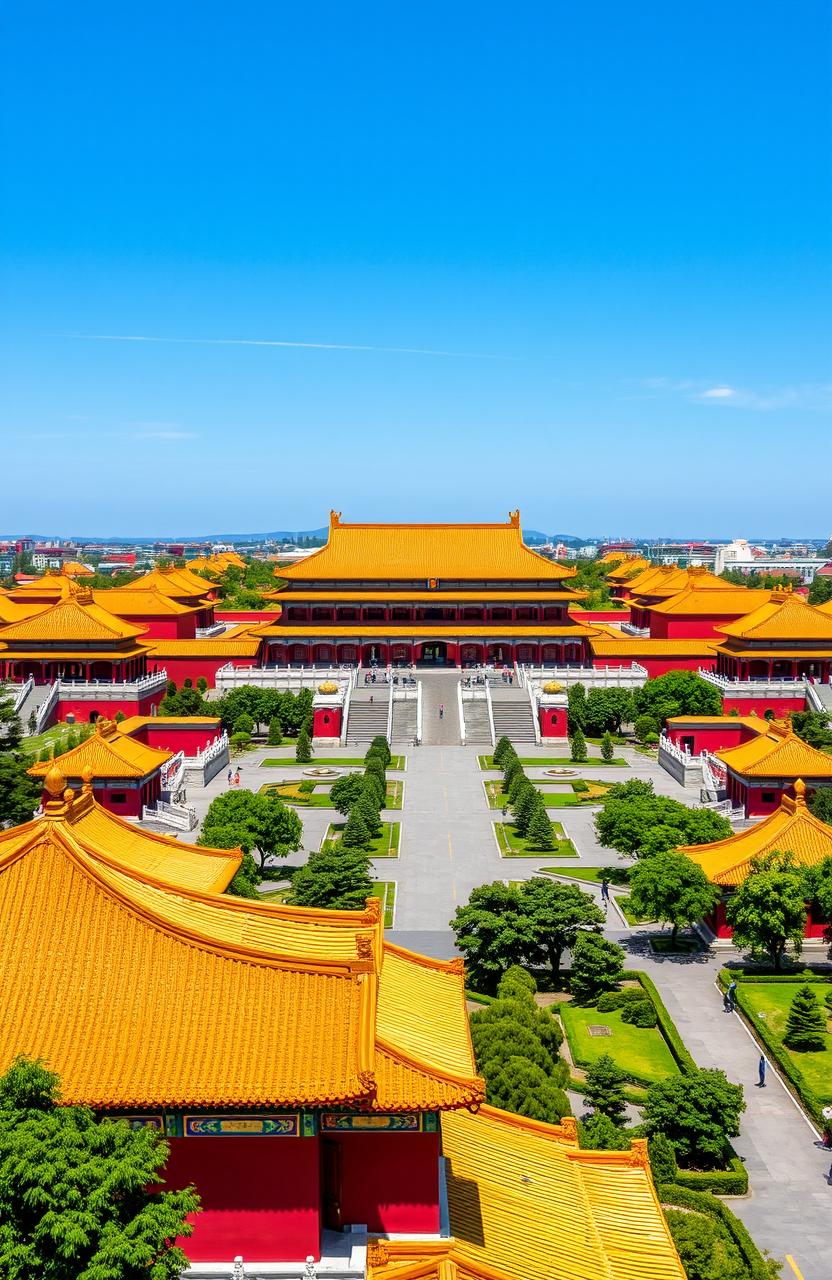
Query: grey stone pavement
448,848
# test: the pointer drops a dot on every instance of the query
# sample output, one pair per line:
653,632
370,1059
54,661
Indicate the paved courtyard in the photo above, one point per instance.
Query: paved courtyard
448,847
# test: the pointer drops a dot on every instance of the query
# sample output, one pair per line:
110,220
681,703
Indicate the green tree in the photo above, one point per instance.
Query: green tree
639,822
261,823
599,1133
577,747
768,910
607,747
11,731
367,806
246,878
806,1023
597,966
698,1112
523,806
303,748
605,1088
77,1197
275,732
491,931
244,724
524,1088
503,745
202,685
540,832
678,693
820,592
672,889
380,747
345,791
821,804
645,727
663,1164
576,707
336,878
356,833
813,727
513,770
607,709
553,917
20,795
705,1248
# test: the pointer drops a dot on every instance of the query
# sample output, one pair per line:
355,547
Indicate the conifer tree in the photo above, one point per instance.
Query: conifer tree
604,1088
577,747
607,748
335,878
540,834
503,745
523,807
367,806
356,835
275,732
806,1024
303,749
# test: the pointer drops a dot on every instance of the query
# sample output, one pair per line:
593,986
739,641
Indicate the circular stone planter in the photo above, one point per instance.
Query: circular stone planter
322,773
561,773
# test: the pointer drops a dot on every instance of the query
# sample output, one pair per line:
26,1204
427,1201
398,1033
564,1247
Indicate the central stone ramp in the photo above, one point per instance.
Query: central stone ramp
440,688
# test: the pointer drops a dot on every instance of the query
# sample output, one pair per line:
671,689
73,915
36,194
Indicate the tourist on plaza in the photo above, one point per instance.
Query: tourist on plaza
441,711
731,996
761,1071
230,774
237,778
605,890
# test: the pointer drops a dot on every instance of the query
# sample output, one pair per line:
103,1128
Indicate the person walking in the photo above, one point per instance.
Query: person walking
605,891
761,1071
731,995
230,776
441,711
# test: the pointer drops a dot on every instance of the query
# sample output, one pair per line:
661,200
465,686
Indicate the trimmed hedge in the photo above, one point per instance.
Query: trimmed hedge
675,1196
774,1047
798,975
675,1043
723,1182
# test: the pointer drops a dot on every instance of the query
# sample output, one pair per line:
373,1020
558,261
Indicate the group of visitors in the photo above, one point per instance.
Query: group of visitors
234,777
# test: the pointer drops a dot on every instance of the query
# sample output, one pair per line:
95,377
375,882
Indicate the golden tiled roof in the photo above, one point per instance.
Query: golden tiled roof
107,753
424,551
608,646
12,611
752,721
75,618
149,604
239,646
526,1203
75,569
663,581
627,567
786,616
728,603
777,753
287,597
177,583
793,828
216,565
295,1005
133,723
51,583
422,630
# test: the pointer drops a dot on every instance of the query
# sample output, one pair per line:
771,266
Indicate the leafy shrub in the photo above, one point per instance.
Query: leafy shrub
639,1013
705,1247
662,1159
306,787
612,1000
580,785
645,726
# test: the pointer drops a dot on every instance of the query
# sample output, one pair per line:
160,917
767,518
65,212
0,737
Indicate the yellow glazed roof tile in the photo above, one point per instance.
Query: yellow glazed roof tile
322,597
12,611
786,616
778,753
239,646
157,973
793,828
428,630
608,646
133,723
757,723
75,618
424,551
145,603
107,753
524,1200
694,600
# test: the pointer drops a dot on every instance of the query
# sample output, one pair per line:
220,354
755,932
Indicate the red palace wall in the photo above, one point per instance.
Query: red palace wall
390,1181
260,1197
712,737
326,722
761,801
119,797
656,664
181,667
663,627
553,722
815,926
779,706
180,627
85,710
167,735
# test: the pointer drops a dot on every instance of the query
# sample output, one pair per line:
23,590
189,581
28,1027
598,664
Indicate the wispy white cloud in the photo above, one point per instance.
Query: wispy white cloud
274,342
812,396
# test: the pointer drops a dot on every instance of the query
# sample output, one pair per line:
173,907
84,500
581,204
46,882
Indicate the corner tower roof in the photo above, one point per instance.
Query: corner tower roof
420,552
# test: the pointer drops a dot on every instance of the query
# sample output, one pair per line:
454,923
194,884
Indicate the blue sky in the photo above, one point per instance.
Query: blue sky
574,258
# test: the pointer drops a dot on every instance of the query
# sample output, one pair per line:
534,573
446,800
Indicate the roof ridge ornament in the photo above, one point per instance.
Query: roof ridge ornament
514,518
800,793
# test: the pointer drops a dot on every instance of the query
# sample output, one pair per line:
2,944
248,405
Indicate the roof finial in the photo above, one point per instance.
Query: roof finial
54,782
514,518
334,519
800,792
86,779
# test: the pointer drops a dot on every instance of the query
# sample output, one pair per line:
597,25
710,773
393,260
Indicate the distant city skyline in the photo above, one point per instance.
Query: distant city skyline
422,265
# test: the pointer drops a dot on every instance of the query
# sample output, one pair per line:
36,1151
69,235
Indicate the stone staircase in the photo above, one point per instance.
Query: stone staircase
404,720
366,719
512,714
477,725
33,701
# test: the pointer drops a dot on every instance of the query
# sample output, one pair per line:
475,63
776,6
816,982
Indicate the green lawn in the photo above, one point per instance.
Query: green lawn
593,875
344,762
386,890
641,1052
320,797
569,799
630,914
552,762
53,739
275,896
512,845
769,1002
385,845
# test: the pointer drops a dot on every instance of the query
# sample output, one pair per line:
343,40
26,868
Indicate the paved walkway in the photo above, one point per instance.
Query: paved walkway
439,688
790,1208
